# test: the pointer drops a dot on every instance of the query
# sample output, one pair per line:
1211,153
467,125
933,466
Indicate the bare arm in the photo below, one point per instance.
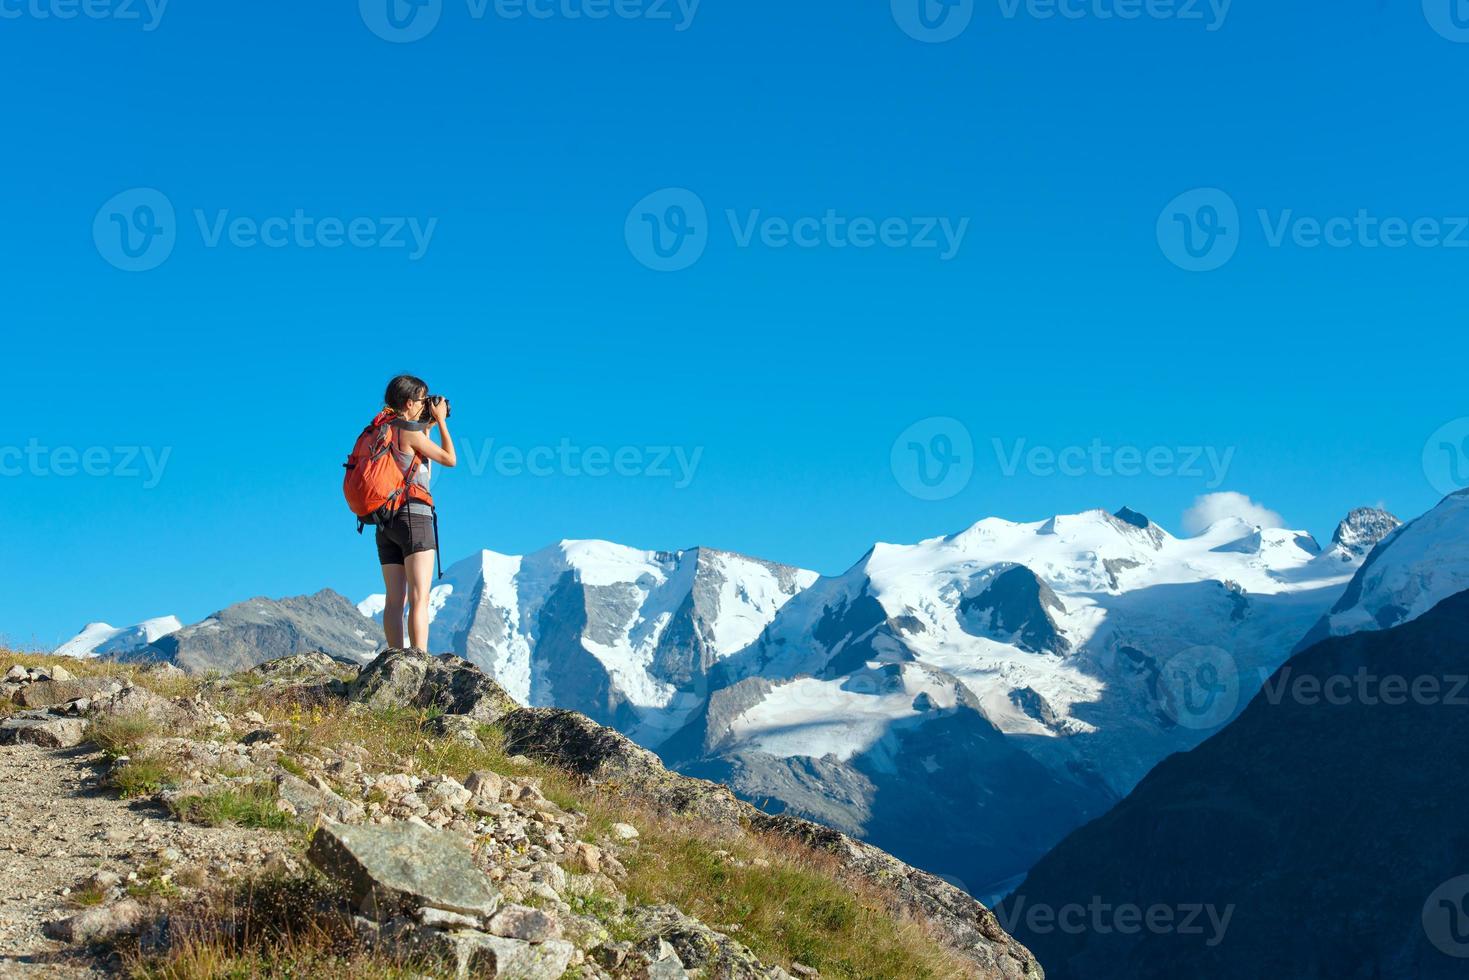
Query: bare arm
420,443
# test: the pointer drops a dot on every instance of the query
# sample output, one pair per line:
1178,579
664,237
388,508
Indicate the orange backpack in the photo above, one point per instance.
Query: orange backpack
375,486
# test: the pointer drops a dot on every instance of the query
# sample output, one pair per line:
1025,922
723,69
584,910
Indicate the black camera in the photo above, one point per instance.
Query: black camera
428,408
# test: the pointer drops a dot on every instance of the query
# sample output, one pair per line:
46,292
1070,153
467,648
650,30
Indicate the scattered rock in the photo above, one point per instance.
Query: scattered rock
309,800
525,923
398,868
125,918
699,947
439,919
54,733
624,831
462,727
139,702
486,785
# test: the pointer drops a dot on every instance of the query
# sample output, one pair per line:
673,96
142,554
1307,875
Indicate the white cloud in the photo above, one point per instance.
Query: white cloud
1212,507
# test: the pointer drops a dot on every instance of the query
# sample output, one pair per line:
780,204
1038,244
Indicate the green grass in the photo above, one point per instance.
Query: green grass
248,805
120,735
788,902
796,909
142,776
88,896
153,882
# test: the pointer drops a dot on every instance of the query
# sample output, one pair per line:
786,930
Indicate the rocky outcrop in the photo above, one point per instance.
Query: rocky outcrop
1361,531
42,729
701,948
413,679
601,755
1018,606
574,742
965,924
259,630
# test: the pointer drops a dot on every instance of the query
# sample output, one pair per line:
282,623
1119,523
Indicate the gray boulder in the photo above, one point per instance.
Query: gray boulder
315,671
413,679
316,801
698,947
125,918
471,953
395,869
52,733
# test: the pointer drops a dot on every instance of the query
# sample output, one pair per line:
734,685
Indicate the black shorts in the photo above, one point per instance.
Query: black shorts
406,534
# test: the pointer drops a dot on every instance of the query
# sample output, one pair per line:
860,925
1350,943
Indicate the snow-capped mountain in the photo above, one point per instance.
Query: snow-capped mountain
963,702
1411,570
1077,637
626,636
966,700
100,639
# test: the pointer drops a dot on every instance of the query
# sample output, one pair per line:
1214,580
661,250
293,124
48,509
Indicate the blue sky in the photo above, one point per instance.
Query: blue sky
531,152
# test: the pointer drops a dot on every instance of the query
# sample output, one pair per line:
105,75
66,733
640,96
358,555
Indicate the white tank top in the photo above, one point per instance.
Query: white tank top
405,460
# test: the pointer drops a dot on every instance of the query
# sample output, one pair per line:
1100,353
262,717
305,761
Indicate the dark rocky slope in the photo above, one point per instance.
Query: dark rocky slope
1328,831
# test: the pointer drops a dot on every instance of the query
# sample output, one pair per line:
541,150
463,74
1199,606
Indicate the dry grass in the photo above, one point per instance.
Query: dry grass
270,927
76,666
785,901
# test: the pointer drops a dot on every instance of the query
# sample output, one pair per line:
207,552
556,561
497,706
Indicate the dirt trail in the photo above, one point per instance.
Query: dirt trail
57,826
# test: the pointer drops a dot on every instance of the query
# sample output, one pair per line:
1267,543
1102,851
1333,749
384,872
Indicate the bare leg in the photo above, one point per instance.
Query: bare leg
395,582
420,568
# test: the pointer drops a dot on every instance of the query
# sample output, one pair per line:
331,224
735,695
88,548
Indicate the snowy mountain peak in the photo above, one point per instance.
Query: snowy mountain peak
1361,530
625,635
98,639
1410,570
